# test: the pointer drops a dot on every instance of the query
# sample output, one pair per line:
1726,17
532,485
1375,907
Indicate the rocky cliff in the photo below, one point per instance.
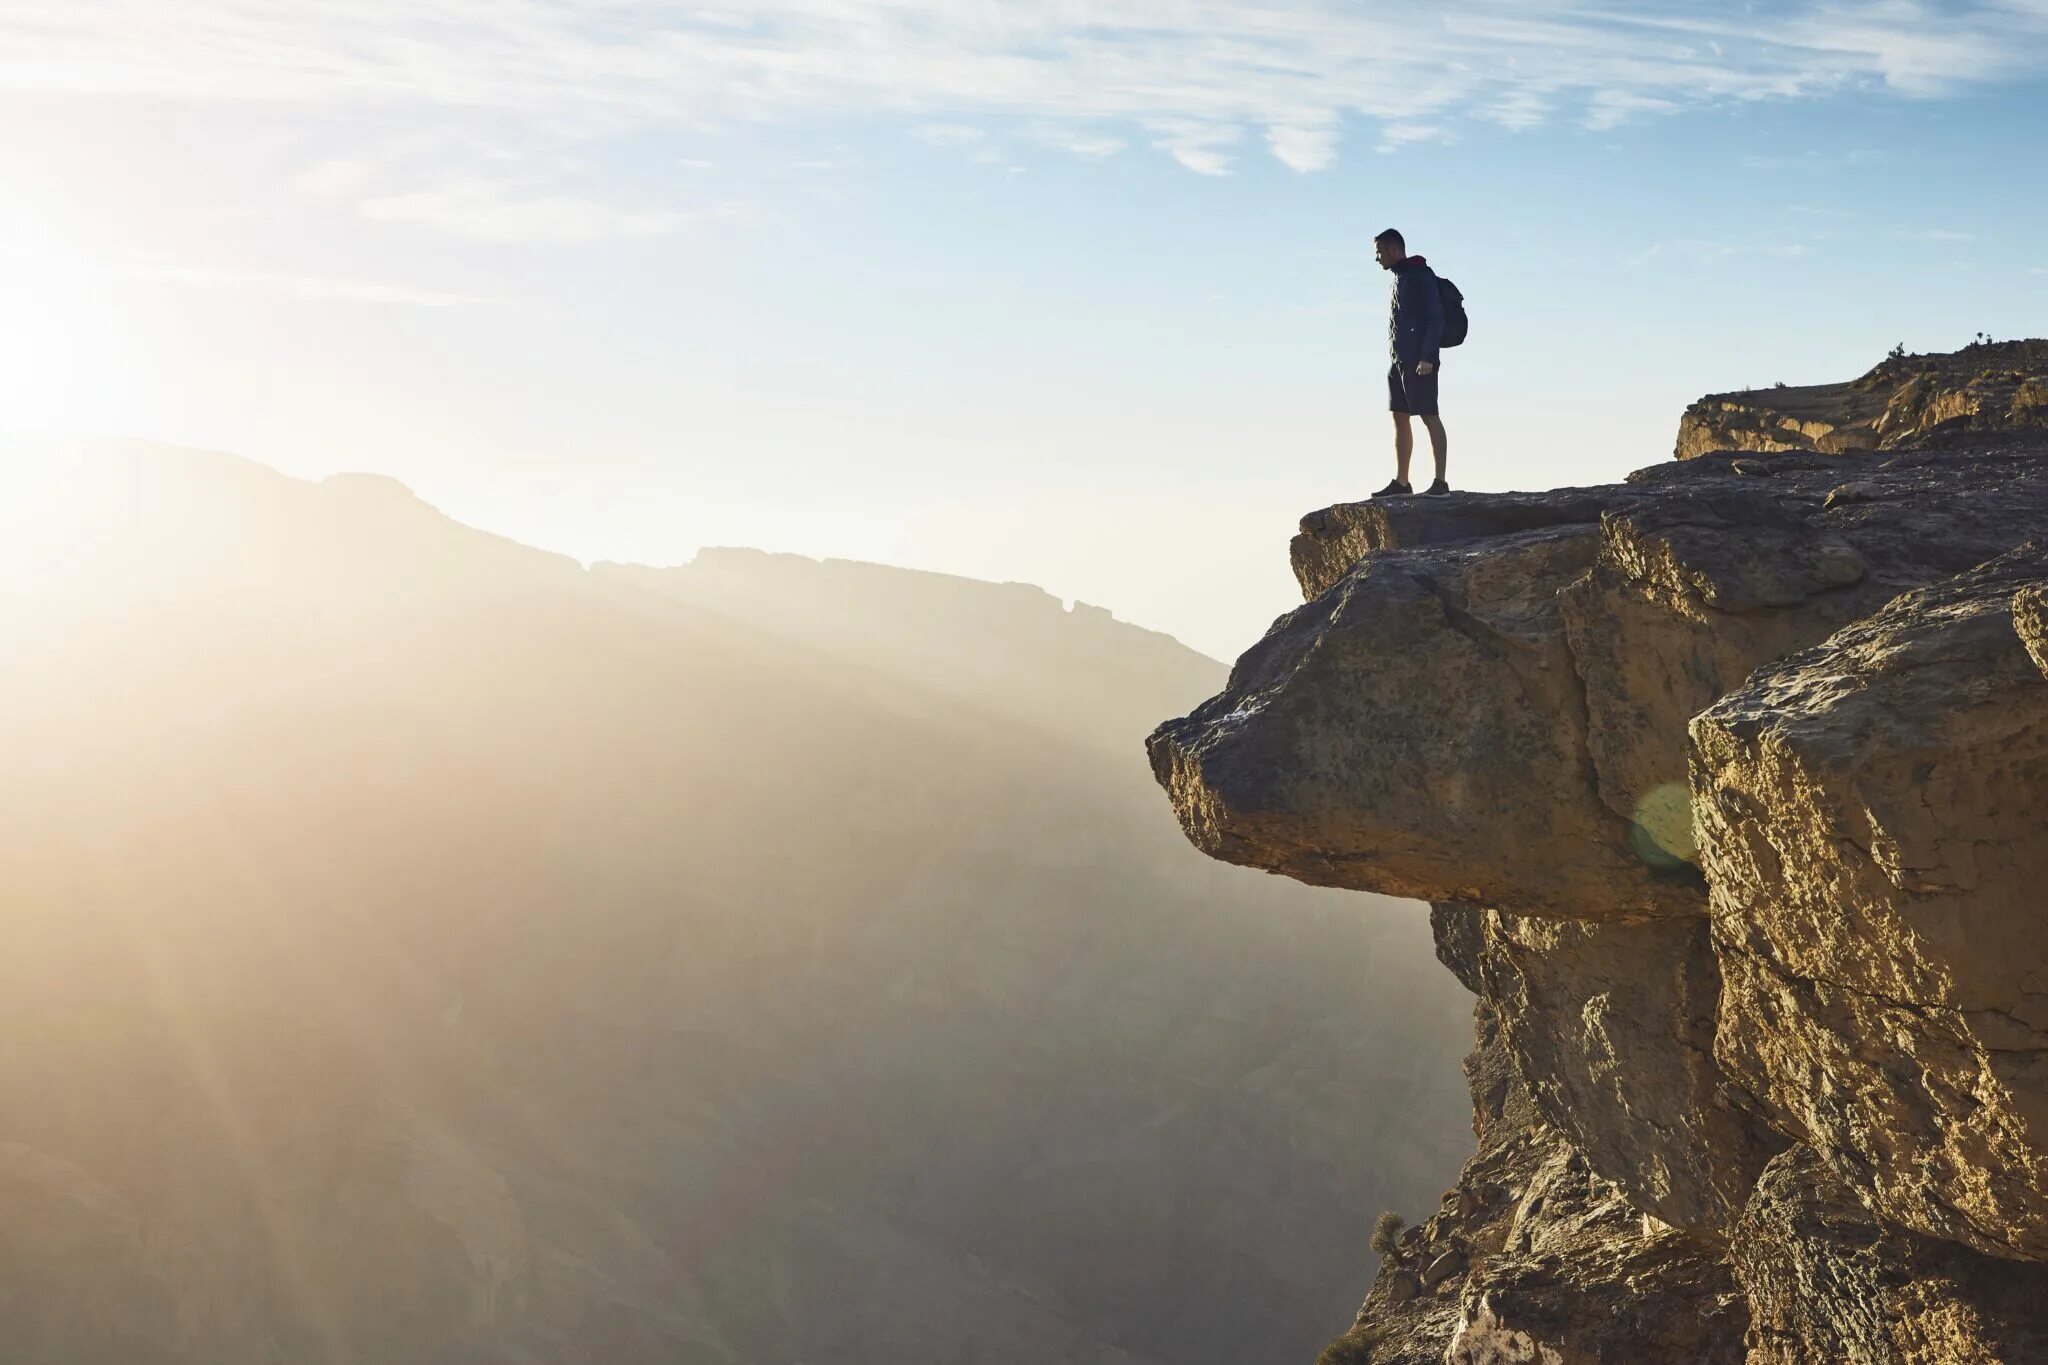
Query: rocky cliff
1977,394
1727,783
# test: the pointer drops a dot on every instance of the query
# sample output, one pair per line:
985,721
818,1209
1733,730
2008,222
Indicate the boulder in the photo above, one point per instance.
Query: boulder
1390,736
1488,704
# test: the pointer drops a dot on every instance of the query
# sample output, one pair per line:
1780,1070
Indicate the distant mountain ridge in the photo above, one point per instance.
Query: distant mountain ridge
432,951
1010,642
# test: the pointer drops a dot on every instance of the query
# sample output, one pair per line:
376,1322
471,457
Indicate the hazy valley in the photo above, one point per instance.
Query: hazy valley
420,948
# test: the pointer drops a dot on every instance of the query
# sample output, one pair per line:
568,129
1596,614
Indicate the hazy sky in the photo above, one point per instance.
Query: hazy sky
1078,292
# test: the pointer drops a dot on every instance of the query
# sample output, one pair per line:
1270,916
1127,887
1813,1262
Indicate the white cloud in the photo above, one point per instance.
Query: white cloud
1083,142
1516,110
1303,148
1201,147
309,287
949,134
1296,71
1395,136
54,260
1914,48
963,137
491,214
1612,108
338,179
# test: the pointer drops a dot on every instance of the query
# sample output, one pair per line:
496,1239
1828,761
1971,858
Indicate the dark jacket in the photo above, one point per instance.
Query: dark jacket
1415,324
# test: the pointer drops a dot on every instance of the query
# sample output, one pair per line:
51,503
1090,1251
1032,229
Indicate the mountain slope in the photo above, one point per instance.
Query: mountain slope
427,950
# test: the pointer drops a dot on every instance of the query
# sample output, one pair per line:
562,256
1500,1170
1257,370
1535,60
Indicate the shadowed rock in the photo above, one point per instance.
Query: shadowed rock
1610,1026
1385,736
1509,1267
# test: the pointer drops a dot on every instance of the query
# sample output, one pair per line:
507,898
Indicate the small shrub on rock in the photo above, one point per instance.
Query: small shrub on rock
1353,1348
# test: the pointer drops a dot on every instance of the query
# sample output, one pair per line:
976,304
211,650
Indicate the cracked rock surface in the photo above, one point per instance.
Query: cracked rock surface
1826,1282
1728,784
1986,391
1388,735
1610,1027
1529,1234
1871,816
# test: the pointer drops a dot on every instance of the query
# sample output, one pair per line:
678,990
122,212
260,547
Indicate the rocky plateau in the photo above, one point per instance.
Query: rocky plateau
1726,784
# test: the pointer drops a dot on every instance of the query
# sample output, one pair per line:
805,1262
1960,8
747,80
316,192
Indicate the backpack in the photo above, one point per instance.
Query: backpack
1455,322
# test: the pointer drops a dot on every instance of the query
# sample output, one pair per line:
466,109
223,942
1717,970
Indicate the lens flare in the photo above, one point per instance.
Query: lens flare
1662,833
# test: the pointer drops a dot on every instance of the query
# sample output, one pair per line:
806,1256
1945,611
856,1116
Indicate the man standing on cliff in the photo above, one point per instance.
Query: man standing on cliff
1414,327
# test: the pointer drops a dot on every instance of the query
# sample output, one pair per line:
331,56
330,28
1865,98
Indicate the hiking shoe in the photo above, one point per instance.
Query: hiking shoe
1436,490
1396,489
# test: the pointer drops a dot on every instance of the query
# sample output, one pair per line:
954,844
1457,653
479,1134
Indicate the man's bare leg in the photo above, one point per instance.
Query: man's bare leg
1404,444
1439,445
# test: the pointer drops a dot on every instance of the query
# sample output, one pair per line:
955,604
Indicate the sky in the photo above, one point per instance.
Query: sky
1078,292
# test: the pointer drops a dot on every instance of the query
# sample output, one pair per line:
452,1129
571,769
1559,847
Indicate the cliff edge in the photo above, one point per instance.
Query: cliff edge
1726,784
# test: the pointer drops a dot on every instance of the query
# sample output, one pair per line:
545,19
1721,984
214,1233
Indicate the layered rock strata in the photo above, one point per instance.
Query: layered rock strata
1981,392
1728,783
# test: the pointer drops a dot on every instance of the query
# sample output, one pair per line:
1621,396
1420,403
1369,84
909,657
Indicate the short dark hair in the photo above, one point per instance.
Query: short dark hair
1392,236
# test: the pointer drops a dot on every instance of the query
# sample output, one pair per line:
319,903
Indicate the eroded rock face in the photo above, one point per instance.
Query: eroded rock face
1728,786
1827,1283
1385,737
1986,391
1388,735
1610,1027
1505,1270
1872,814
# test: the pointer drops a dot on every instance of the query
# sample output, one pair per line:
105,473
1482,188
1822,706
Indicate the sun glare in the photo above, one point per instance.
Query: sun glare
55,323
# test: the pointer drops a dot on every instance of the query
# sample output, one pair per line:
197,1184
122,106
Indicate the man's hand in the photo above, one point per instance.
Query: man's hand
1424,366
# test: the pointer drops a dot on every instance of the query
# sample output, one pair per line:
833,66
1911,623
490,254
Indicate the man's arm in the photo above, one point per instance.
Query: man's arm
1432,323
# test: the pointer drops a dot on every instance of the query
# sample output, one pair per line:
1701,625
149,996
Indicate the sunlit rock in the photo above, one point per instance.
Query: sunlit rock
1725,784
1828,1283
1872,825
1610,1026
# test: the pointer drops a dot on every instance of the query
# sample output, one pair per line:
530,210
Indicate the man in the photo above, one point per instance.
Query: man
1415,325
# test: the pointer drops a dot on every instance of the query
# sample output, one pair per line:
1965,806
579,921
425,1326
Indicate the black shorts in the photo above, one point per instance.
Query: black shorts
1408,391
